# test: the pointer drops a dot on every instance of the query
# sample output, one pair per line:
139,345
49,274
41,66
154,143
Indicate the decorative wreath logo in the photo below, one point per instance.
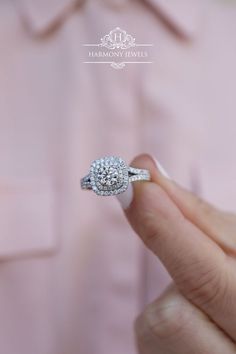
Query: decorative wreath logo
117,39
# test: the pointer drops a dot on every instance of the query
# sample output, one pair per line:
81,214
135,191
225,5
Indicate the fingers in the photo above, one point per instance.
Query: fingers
180,245
172,325
218,225
198,266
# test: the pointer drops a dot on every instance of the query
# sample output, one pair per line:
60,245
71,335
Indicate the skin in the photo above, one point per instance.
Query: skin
196,243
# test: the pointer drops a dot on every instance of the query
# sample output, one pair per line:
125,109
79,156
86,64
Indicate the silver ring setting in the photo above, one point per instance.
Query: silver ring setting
111,176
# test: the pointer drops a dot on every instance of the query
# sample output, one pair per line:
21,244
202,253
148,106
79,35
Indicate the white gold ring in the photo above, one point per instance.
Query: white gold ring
110,176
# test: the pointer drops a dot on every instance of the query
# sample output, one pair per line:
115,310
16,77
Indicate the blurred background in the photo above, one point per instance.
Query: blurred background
73,276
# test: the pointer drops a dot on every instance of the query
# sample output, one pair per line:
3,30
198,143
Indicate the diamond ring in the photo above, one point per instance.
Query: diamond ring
110,176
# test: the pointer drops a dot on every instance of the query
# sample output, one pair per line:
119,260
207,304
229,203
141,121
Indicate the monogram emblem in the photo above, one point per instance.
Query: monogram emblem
117,39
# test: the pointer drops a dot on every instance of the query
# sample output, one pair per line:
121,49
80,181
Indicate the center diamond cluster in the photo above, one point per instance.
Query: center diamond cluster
109,176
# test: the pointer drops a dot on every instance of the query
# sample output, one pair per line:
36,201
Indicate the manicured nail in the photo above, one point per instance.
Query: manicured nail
125,198
160,167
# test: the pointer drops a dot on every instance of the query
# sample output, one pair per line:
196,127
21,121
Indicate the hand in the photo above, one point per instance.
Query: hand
197,244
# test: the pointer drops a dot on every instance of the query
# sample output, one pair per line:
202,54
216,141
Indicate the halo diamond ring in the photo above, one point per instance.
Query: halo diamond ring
110,176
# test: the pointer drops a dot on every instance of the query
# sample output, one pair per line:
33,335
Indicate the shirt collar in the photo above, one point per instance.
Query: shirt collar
183,16
43,15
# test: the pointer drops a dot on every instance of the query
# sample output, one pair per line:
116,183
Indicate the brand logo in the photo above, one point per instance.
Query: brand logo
118,39
118,48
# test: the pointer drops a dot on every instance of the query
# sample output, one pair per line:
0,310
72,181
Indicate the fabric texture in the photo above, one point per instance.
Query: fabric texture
73,276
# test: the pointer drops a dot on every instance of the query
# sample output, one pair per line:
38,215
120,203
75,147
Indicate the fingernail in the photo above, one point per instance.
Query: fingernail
126,198
160,167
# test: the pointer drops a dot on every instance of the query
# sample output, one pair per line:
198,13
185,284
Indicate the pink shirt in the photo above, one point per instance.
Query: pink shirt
72,275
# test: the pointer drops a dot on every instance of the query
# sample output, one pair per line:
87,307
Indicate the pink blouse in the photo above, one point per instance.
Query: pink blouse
73,276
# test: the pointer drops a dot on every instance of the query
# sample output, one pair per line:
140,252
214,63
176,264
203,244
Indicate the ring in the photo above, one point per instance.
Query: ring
110,176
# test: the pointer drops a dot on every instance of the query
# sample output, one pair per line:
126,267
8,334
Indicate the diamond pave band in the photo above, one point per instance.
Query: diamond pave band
110,176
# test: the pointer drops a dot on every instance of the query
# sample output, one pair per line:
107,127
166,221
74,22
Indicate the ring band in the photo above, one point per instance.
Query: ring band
110,176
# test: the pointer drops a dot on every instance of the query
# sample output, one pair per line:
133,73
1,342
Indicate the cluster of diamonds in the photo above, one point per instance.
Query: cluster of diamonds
109,176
